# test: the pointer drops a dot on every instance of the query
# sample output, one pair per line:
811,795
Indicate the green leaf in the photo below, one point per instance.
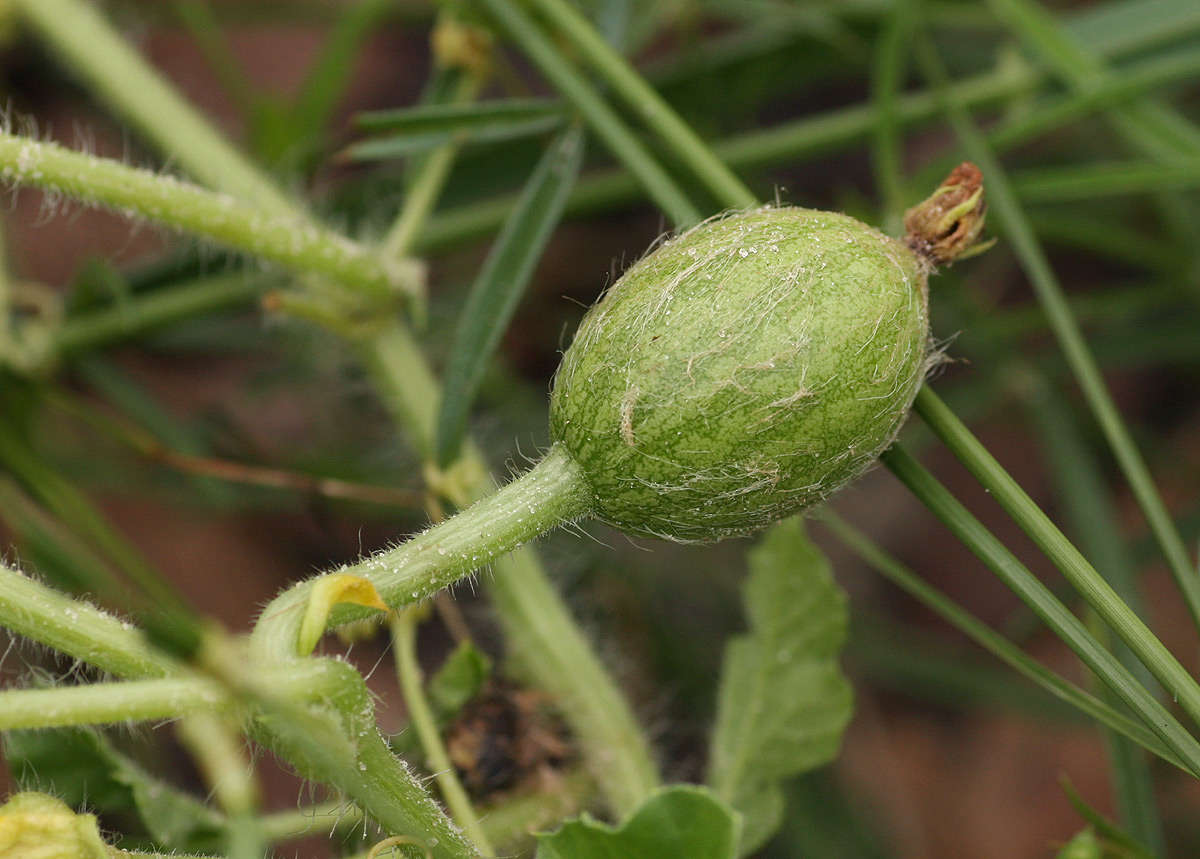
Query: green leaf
680,821
1117,843
427,126
460,679
783,702
83,768
403,145
455,118
502,280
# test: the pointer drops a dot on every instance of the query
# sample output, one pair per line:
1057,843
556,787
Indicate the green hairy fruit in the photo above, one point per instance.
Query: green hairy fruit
753,365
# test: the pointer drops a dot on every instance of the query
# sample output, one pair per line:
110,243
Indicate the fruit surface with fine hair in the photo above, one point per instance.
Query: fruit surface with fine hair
743,371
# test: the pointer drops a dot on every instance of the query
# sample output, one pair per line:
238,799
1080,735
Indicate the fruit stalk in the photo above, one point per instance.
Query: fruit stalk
548,495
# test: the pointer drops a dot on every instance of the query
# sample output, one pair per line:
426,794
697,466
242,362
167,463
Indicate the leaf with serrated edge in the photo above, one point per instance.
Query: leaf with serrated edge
678,821
783,701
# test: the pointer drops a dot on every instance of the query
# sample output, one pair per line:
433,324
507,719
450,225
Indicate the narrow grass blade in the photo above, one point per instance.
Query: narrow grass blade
887,76
510,18
1037,596
453,118
1151,126
1062,184
992,641
198,18
501,282
1094,523
1003,202
329,75
659,116
401,145
1082,575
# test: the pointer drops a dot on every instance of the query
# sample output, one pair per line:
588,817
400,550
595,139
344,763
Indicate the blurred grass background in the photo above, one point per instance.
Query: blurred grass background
949,754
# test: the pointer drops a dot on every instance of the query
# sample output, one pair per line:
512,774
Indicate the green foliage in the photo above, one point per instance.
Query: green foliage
677,821
783,701
1087,103
460,679
85,770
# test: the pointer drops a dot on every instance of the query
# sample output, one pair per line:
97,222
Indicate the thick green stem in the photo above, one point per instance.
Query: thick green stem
647,103
122,78
1037,596
286,239
546,643
104,703
48,617
550,494
1082,575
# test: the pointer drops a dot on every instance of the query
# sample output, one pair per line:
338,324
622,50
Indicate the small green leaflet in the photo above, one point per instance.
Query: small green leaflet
501,282
783,702
460,679
1110,840
679,821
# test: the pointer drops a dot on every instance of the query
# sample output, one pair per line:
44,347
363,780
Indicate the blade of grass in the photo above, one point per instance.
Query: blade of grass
838,129
1003,203
1148,124
1093,520
1065,625
198,18
402,145
328,76
454,118
51,548
89,331
1082,575
68,504
501,282
431,172
1064,184
989,639
602,119
640,97
887,77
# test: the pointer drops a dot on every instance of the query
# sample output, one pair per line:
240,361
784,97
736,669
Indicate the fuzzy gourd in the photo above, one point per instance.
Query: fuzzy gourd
738,373
753,365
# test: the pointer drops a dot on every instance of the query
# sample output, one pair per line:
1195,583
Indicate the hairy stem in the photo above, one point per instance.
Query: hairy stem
286,239
77,629
547,645
548,495
122,78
